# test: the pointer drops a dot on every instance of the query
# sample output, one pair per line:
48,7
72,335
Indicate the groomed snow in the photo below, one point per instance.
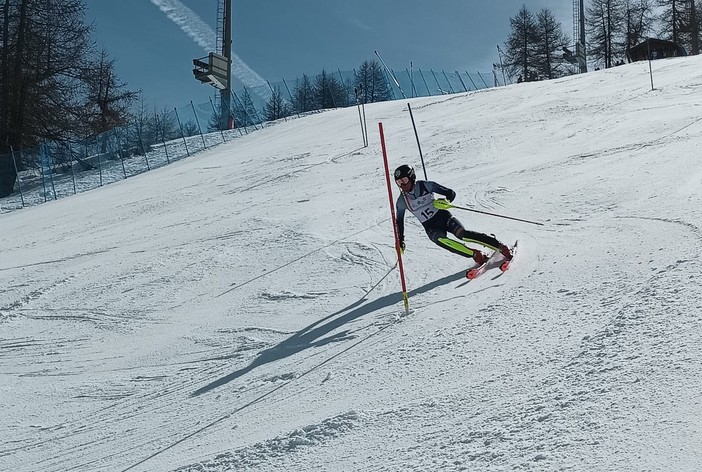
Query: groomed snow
241,309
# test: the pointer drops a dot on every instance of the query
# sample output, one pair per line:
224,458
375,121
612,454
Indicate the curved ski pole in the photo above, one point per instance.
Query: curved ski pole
443,204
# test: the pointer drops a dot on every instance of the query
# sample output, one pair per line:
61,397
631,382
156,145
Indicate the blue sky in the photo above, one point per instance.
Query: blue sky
279,39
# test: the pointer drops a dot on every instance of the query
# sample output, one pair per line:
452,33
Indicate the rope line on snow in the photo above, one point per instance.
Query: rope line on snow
263,396
298,259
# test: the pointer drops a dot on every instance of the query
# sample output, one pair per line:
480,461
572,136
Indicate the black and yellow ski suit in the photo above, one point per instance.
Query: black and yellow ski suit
437,223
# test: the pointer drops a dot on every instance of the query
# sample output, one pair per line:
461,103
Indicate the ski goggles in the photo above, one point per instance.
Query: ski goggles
403,181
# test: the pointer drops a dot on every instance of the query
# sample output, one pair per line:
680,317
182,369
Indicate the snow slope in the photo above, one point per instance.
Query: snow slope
241,309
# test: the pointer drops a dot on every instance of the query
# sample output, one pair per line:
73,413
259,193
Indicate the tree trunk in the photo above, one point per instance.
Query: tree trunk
15,102
7,171
695,30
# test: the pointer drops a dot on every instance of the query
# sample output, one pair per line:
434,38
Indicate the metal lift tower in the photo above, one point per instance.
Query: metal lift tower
579,34
225,36
216,68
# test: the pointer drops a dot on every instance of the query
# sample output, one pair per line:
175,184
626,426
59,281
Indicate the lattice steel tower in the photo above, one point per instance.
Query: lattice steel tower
224,47
579,33
216,68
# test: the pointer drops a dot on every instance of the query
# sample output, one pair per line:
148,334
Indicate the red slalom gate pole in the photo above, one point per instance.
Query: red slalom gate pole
394,223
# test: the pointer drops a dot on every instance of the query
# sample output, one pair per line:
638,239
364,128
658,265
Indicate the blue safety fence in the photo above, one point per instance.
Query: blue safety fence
153,139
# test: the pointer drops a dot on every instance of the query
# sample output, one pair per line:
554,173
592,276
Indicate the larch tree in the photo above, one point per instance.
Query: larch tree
369,83
680,21
45,49
604,20
276,107
107,100
520,48
304,95
329,92
638,22
549,40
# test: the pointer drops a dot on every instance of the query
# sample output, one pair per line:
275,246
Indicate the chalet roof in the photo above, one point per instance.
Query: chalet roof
662,48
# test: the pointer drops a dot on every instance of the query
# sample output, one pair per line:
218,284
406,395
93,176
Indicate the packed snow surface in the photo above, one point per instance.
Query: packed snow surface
242,309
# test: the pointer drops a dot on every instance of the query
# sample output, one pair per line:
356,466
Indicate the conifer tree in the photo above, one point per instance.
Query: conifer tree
107,102
303,95
520,48
370,84
680,21
46,59
329,92
605,25
549,39
276,107
638,22
244,110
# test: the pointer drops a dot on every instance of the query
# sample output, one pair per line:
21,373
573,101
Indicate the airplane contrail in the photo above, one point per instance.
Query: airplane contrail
200,32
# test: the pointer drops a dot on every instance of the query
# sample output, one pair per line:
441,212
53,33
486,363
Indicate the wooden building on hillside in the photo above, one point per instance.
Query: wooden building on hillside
657,48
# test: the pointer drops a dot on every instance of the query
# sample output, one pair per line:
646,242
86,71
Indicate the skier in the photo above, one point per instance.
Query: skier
418,197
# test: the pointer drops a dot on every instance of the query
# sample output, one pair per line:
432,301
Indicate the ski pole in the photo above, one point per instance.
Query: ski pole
443,204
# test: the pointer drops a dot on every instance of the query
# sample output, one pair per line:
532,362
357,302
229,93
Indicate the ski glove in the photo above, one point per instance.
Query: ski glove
452,196
402,247
442,204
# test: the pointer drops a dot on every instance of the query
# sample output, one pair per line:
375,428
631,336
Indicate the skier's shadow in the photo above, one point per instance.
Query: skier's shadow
313,335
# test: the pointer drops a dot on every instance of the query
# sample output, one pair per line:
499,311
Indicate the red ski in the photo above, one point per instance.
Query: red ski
505,265
481,269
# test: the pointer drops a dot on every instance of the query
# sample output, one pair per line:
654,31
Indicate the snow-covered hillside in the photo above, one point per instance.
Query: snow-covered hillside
241,309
